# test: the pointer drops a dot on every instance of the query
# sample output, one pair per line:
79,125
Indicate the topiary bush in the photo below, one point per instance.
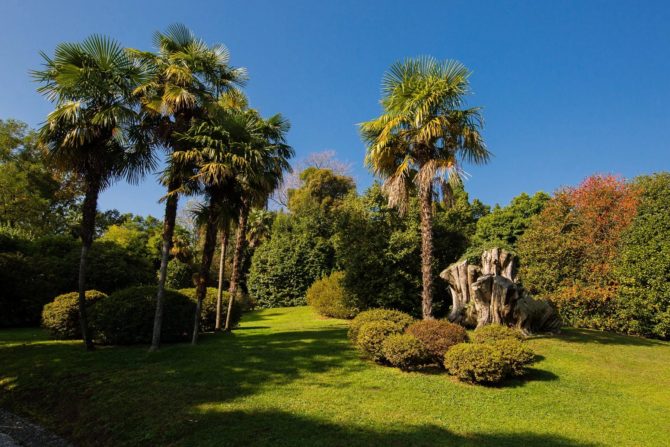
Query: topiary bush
404,351
516,355
328,297
437,336
127,316
367,316
372,335
475,363
61,316
494,332
208,311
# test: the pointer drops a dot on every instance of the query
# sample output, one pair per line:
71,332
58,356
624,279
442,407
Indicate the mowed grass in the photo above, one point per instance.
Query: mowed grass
287,377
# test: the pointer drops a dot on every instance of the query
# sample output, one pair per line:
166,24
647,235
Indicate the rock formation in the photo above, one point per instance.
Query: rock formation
489,293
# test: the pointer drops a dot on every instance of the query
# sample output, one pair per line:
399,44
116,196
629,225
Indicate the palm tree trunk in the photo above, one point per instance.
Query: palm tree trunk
237,260
206,264
426,198
222,263
168,232
89,209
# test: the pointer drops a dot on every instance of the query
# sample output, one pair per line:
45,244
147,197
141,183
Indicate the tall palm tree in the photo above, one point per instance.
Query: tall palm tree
422,136
256,185
94,130
187,78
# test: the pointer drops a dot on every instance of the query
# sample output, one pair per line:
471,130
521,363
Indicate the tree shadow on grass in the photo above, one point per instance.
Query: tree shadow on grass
605,338
278,429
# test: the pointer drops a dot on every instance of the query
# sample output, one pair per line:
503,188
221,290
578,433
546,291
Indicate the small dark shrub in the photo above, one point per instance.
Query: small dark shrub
404,351
61,316
328,297
367,316
127,316
437,336
495,332
516,355
475,363
179,275
208,312
372,335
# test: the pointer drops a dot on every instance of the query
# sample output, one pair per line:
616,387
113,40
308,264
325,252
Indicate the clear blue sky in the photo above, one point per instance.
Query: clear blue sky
569,88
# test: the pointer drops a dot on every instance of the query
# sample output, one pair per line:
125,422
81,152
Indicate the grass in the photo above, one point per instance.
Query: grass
287,377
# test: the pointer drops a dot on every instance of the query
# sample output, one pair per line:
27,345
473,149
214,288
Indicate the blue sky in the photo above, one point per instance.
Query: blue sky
568,88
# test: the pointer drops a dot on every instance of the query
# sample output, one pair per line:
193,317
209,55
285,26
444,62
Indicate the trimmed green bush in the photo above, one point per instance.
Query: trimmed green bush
516,355
404,351
367,316
61,316
127,316
494,332
475,363
208,312
372,335
437,336
328,297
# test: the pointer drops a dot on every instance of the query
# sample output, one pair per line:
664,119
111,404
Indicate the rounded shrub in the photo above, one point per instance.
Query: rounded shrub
127,316
208,311
475,363
367,316
372,335
516,355
437,336
404,351
61,316
328,297
495,332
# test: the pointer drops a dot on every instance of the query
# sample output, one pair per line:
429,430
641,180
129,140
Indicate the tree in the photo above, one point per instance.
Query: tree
187,78
93,131
421,138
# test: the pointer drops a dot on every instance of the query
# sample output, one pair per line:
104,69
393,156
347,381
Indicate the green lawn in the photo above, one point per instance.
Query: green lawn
289,378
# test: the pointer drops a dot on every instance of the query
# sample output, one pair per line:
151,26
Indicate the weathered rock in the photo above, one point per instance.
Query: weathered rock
490,294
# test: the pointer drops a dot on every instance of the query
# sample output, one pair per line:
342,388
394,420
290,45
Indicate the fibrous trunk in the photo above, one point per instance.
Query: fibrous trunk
222,264
89,210
426,195
237,261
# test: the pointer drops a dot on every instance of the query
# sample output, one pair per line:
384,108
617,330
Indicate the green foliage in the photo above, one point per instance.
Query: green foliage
208,315
127,316
516,355
367,316
328,297
61,316
475,363
321,188
179,274
643,265
504,225
437,336
284,267
495,332
371,337
380,250
404,351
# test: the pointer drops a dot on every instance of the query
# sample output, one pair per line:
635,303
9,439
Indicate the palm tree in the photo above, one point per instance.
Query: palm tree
257,184
423,135
93,131
187,78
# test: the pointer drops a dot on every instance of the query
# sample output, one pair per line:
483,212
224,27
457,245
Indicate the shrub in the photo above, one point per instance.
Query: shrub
395,316
437,336
328,297
404,351
495,332
127,316
372,335
475,363
208,312
515,355
61,316
179,275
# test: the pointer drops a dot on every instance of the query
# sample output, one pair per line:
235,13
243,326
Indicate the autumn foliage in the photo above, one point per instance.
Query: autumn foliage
569,250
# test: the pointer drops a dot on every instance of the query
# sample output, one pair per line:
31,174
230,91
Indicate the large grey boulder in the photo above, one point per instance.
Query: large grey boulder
489,293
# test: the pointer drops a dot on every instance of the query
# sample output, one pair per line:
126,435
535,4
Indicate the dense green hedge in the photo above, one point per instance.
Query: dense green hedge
329,298
127,316
61,316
